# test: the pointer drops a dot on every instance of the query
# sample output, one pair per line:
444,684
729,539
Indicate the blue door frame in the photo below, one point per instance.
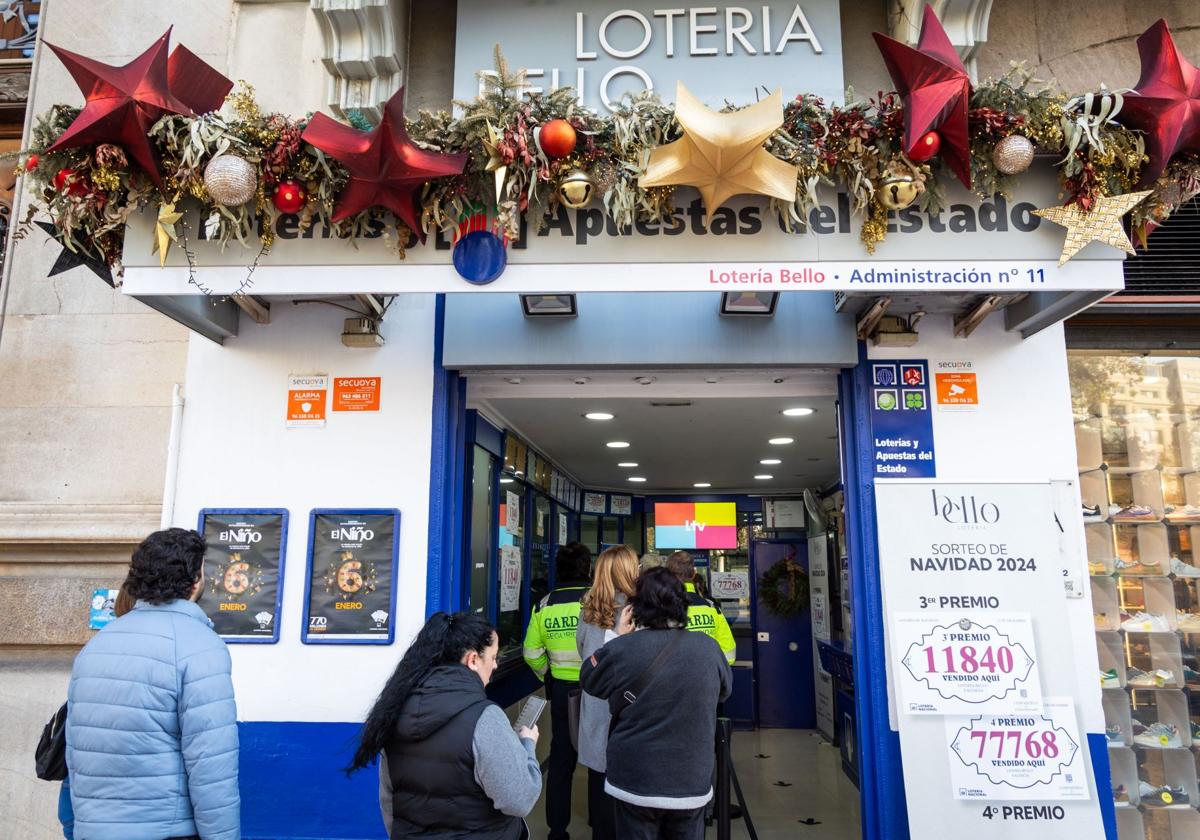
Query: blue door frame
881,782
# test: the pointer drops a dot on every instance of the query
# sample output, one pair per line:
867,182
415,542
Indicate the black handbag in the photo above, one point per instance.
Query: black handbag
50,757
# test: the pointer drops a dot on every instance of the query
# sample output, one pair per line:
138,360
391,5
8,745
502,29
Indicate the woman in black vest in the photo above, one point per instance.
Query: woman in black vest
452,766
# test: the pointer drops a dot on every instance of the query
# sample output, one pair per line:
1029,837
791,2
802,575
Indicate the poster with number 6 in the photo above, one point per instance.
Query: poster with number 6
975,662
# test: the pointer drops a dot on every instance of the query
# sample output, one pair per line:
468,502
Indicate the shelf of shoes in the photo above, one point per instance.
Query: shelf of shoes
1167,780
1118,719
1101,548
1110,646
1129,824
1147,604
1171,823
1141,549
1153,661
1122,764
1106,608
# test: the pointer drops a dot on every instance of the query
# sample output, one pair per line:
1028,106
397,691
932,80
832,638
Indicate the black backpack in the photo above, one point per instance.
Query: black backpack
51,753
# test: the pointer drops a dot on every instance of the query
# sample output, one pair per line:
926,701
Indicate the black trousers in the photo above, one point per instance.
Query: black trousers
637,823
601,816
560,768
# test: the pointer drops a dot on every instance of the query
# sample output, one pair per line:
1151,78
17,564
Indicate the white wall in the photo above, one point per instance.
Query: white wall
1023,431
236,452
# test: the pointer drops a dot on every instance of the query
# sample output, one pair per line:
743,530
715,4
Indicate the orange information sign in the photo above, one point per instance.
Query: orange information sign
307,396
356,393
957,390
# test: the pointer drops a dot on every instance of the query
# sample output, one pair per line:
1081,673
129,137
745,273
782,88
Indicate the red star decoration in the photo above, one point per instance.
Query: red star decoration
936,90
386,168
1165,105
123,103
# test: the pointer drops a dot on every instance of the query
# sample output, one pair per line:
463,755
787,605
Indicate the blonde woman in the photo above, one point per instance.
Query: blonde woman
612,585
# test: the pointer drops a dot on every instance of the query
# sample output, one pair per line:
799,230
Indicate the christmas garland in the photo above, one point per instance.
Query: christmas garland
783,588
90,192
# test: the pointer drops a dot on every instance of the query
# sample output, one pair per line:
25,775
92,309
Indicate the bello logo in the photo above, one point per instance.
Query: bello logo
964,510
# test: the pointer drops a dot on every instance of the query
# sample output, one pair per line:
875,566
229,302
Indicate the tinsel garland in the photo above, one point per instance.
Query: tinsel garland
853,146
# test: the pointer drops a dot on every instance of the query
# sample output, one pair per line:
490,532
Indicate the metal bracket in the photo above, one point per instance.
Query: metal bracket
256,308
871,316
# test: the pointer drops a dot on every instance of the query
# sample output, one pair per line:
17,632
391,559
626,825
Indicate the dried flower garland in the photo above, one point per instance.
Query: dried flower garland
855,146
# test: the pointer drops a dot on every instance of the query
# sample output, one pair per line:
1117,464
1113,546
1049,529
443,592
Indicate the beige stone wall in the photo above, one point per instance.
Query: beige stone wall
1082,44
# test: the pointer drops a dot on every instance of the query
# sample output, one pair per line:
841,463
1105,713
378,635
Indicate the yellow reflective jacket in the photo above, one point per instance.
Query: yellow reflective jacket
550,639
704,617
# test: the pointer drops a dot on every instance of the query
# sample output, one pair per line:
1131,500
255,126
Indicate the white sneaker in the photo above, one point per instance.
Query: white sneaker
1187,622
1155,679
1143,622
1159,735
1181,569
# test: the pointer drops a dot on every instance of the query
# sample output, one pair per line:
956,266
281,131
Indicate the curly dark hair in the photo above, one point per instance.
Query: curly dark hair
573,564
166,566
659,601
443,640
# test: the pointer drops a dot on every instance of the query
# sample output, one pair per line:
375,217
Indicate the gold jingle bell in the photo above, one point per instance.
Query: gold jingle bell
576,189
898,191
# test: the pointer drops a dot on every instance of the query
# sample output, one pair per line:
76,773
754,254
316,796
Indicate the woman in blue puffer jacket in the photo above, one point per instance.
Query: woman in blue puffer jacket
152,741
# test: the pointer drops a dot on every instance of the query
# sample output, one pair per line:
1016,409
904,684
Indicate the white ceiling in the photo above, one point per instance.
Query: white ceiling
679,434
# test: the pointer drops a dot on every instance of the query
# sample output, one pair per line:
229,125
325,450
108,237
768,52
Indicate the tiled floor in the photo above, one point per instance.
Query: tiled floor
814,787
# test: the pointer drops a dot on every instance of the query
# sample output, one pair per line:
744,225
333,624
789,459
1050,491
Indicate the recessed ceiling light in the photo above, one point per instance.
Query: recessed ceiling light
770,462
702,484
598,415
779,441
763,477
627,465
506,481
797,412
617,444
637,479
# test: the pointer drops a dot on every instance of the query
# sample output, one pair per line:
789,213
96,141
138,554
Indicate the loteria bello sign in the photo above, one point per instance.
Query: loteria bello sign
607,49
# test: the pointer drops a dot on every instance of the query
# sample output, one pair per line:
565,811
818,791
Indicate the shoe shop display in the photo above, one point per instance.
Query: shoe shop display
1160,736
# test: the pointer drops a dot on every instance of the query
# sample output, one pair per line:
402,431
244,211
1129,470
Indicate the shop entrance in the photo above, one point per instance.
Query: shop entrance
607,457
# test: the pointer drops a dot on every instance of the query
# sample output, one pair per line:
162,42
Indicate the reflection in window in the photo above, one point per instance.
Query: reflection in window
511,539
481,537
589,532
539,551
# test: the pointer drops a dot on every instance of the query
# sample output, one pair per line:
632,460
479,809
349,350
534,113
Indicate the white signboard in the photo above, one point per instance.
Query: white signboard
593,503
562,528
607,48
785,514
818,587
512,513
620,505
510,578
988,554
963,663
1023,757
729,585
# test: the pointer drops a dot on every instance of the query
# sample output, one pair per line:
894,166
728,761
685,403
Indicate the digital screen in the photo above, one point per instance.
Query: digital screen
695,525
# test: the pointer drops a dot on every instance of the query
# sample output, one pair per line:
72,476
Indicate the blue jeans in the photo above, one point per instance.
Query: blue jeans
66,814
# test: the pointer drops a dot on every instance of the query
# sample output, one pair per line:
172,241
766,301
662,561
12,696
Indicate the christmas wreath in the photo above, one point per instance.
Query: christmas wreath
783,588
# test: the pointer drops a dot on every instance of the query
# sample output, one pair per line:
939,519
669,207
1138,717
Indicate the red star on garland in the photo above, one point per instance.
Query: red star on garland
1165,105
936,90
123,103
386,168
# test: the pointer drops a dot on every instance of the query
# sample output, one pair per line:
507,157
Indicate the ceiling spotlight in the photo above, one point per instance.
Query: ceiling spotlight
514,380
797,412
645,380
549,306
763,477
780,441
770,462
627,465
582,380
622,444
599,415
636,479
702,484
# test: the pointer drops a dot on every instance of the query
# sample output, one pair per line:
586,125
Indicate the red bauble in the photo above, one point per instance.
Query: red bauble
68,180
557,138
926,148
289,197
32,163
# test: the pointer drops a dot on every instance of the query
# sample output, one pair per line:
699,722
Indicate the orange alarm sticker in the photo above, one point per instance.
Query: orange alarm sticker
307,397
356,393
957,390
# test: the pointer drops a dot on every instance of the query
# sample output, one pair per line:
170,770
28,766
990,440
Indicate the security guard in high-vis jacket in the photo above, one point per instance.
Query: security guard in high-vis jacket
703,615
550,647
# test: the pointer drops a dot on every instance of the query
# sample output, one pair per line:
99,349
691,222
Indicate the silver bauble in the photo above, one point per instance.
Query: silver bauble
1013,154
230,180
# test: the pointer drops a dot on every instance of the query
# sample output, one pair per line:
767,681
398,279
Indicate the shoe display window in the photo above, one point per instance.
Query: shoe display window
1137,437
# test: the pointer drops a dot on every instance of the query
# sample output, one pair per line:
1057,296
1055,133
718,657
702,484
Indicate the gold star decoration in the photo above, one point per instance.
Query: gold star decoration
1100,224
722,155
495,162
164,231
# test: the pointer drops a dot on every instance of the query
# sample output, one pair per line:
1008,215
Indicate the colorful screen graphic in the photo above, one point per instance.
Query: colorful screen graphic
695,525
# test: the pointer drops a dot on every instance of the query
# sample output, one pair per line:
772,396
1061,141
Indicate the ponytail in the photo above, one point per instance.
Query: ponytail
444,640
